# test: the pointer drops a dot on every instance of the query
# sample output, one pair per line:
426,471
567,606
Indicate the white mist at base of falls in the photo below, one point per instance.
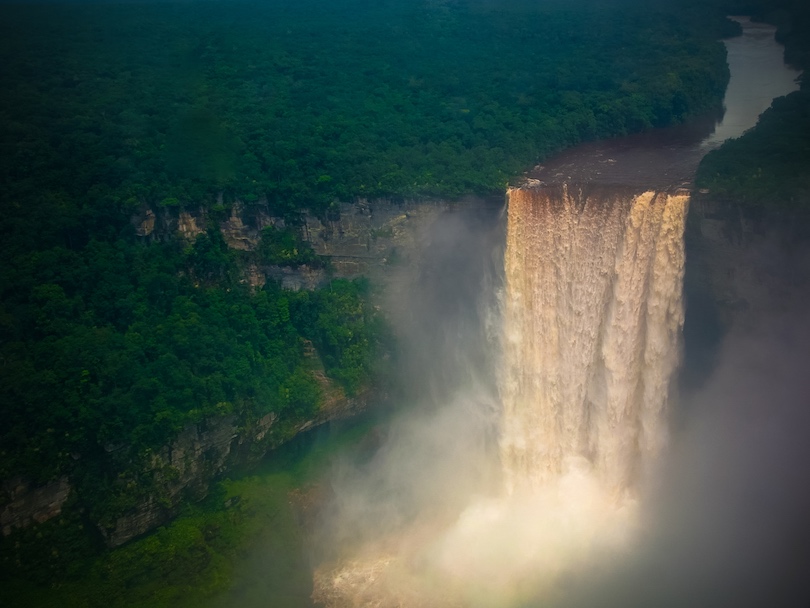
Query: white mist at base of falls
591,319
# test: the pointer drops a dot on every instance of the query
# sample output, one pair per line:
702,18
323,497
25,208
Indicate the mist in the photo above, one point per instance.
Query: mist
725,515
441,447
721,518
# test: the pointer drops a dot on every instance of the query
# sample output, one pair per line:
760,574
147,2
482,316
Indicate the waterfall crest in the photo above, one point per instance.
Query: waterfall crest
593,313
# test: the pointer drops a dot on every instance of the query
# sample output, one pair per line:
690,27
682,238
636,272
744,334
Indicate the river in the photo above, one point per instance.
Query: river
668,158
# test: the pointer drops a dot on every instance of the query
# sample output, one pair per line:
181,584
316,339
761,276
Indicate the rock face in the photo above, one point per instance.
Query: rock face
241,228
741,269
737,268
365,237
181,471
184,470
743,265
29,503
368,236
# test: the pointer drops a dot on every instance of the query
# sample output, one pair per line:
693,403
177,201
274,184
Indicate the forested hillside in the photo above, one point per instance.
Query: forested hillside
112,343
301,102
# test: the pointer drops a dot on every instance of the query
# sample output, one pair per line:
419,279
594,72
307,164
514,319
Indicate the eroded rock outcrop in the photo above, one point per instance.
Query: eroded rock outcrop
366,237
29,503
185,469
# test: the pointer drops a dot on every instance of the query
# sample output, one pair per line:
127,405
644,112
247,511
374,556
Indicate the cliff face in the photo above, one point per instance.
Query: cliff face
185,469
241,228
364,238
368,236
747,265
181,471
740,269
27,503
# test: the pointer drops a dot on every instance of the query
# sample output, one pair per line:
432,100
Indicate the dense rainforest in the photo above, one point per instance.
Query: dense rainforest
112,343
299,103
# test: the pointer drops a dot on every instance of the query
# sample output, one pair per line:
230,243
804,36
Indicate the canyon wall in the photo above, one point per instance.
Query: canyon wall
742,268
364,238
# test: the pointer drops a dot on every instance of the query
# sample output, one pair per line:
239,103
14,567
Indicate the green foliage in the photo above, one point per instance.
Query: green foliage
301,392
297,104
344,328
285,247
110,345
112,349
194,558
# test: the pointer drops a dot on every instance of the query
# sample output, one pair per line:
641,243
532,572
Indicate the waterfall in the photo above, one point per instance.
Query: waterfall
593,313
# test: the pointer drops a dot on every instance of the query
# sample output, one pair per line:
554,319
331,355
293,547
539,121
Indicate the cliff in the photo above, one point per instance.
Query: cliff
27,503
748,264
181,471
363,238
741,267
738,267
184,470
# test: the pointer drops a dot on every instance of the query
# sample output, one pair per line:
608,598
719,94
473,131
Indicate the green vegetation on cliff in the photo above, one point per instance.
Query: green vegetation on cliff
250,527
109,351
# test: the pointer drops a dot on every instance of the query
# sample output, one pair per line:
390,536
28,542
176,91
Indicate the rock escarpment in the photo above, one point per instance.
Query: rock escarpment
27,503
735,269
746,264
185,469
743,268
181,471
364,238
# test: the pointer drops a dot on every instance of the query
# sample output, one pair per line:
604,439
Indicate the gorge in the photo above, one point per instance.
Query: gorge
592,312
